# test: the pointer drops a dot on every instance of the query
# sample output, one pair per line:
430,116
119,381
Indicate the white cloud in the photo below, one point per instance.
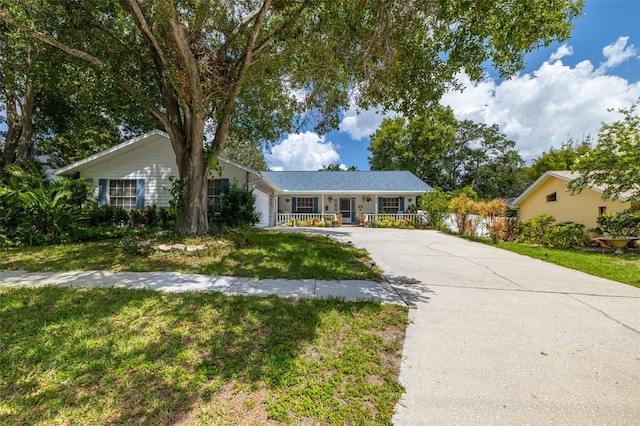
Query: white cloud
359,124
542,109
562,51
302,151
617,53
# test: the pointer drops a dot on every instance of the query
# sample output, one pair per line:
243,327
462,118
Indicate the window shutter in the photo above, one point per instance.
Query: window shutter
380,205
315,204
103,187
294,207
140,194
224,185
402,204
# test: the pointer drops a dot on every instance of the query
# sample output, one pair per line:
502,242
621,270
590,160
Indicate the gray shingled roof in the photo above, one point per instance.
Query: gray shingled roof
325,181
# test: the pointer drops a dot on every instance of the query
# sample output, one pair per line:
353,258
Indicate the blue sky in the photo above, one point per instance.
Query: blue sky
565,91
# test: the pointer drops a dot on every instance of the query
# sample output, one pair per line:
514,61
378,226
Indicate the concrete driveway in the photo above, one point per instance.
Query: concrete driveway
499,338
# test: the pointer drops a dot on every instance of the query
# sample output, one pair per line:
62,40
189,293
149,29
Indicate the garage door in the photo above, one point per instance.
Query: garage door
262,207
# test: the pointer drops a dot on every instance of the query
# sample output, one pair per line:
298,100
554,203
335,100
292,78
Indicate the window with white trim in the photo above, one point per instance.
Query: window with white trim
122,193
304,205
391,204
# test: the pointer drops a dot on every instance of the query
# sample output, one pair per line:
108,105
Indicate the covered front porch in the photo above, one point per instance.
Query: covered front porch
345,208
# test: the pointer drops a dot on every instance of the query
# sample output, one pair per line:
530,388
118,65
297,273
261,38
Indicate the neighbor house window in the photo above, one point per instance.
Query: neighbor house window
122,193
215,187
304,205
551,197
602,210
391,204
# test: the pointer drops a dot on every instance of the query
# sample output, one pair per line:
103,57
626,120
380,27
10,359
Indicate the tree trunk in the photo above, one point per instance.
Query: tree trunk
194,173
19,127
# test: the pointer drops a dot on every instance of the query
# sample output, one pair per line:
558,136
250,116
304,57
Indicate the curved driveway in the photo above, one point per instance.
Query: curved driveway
499,338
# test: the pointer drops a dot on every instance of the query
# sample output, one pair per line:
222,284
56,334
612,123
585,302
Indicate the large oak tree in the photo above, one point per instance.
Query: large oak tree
254,63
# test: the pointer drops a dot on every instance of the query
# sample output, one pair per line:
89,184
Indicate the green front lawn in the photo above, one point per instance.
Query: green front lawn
115,356
248,253
625,268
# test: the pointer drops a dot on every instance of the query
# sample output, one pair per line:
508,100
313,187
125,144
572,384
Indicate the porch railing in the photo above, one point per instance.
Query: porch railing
294,218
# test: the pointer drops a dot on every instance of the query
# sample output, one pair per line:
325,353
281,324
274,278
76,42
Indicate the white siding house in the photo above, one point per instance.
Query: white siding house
136,174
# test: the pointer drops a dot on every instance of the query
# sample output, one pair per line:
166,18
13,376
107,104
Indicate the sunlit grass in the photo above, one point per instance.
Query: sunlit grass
98,356
248,253
625,268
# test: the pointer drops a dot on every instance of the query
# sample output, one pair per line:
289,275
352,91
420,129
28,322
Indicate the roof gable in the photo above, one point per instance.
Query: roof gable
564,175
347,181
154,136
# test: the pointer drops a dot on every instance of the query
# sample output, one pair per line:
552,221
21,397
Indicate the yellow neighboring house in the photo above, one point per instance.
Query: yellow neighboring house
549,195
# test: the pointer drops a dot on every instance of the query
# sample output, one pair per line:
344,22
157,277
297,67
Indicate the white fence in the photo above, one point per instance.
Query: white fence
284,218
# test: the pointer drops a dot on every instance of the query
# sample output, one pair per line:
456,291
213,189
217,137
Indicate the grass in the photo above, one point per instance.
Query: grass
115,356
248,253
624,268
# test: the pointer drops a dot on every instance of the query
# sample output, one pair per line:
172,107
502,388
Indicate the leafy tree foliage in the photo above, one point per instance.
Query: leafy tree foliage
562,158
449,154
614,163
55,107
416,145
238,62
246,152
338,168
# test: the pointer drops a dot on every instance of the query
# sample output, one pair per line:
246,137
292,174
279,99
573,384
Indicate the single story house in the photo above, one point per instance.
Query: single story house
345,193
137,173
549,195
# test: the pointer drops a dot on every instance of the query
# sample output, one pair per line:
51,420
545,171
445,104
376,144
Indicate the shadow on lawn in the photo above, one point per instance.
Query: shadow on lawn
137,356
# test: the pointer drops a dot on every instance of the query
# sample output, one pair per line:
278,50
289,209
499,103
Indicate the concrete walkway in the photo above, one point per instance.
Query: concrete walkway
499,338
349,290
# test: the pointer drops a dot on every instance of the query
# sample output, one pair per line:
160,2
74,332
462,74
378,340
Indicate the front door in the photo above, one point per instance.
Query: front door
346,210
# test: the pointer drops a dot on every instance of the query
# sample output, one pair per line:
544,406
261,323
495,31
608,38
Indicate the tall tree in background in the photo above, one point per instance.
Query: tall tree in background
417,145
237,62
484,159
562,158
614,163
449,154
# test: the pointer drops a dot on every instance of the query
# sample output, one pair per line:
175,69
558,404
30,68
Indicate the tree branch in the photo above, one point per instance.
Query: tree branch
93,60
143,25
222,130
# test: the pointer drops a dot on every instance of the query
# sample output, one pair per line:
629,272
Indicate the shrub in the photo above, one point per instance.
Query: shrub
436,204
543,230
494,213
566,235
623,224
36,210
536,229
237,208
462,207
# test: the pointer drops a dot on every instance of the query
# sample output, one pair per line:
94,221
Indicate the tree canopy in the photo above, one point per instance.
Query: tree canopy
449,154
254,64
562,158
614,163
